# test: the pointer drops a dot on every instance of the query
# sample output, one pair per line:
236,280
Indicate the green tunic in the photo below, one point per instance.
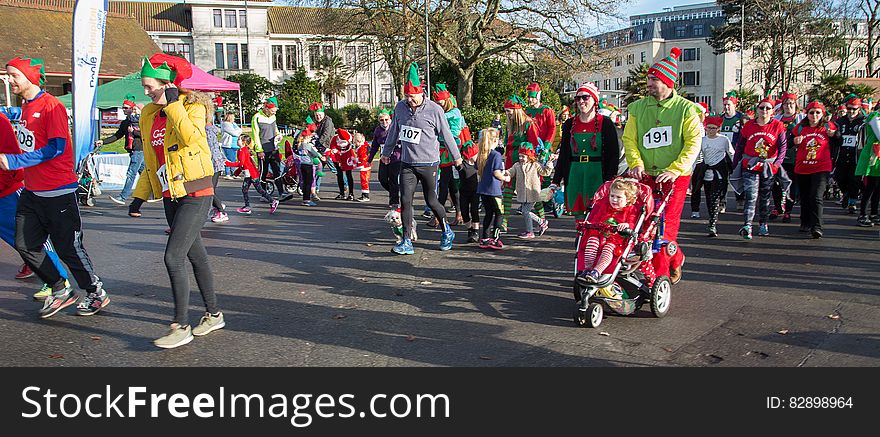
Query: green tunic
585,173
865,166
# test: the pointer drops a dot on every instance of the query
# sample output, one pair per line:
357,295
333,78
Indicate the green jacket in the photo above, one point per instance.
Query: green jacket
675,127
872,135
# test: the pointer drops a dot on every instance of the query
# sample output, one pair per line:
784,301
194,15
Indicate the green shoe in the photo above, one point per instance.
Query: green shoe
176,337
46,291
208,324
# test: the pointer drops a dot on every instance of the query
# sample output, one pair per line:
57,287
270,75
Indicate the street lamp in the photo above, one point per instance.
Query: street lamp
427,49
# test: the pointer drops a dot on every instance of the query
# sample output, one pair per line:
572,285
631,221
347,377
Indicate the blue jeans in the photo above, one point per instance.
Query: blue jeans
135,167
758,192
231,156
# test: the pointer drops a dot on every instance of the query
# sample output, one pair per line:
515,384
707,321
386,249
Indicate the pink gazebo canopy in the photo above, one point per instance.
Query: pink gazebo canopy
202,81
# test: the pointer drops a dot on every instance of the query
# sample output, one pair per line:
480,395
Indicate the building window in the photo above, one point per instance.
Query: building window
314,55
739,76
680,31
862,52
328,52
168,47
290,57
617,83
218,18
365,94
242,19
757,52
809,76
859,73
218,56
186,51
387,95
351,94
231,20
643,57
757,76
351,56
690,54
363,55
596,83
245,57
603,43
617,62
606,84
698,30
640,35
630,59
232,56
277,58
690,78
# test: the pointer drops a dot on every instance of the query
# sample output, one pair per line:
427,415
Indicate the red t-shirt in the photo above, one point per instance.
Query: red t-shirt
814,151
762,141
41,119
157,140
10,180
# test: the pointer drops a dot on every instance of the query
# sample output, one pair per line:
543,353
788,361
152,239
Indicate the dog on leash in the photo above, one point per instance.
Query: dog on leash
394,219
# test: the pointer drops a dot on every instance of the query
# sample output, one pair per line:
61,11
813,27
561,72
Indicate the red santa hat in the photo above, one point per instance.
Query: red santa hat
787,96
180,68
667,68
705,107
815,104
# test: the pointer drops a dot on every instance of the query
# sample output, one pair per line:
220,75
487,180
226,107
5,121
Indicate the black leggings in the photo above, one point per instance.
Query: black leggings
470,206
246,186
305,171
871,191
447,187
186,216
812,190
714,191
216,202
409,177
389,178
273,161
349,177
493,216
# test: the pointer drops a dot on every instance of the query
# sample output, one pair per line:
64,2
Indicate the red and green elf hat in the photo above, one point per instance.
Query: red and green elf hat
713,120
316,107
440,92
514,102
166,67
533,90
271,102
852,99
815,104
526,148
731,96
667,68
129,100
33,69
310,123
413,85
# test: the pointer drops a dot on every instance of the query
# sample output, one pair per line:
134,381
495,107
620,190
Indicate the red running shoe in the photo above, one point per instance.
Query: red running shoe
24,272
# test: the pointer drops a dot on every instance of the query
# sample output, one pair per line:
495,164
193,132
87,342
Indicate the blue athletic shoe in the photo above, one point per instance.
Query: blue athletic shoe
405,247
446,238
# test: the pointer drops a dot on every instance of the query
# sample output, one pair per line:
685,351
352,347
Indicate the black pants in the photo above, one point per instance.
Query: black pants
470,206
447,187
793,192
305,171
186,216
409,177
348,177
272,160
812,188
849,184
493,217
697,184
871,191
40,218
389,178
245,189
216,202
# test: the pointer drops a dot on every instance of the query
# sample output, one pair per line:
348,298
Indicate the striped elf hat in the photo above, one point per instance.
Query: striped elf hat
667,68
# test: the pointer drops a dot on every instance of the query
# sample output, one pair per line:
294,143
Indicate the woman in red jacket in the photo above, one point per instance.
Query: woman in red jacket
813,164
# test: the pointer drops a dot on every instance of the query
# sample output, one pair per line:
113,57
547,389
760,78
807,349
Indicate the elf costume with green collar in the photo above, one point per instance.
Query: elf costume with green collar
869,158
544,119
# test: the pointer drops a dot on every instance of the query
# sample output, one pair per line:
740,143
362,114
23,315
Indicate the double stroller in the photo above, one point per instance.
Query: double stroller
629,281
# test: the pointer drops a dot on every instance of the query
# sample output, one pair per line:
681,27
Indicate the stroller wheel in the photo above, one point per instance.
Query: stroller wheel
661,295
580,317
595,313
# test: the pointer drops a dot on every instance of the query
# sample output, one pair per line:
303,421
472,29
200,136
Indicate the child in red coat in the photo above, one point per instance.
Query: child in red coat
343,153
248,170
615,212
364,165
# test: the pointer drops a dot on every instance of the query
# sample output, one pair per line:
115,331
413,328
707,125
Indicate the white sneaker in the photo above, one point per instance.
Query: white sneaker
117,200
695,215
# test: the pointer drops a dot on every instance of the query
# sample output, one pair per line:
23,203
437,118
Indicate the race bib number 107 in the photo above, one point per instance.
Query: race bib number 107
410,134
658,137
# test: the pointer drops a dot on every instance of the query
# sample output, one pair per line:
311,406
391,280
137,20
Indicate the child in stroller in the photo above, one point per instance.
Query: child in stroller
289,175
615,245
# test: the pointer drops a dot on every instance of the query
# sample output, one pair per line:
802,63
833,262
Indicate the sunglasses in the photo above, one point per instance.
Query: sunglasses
581,98
765,108
852,109
815,112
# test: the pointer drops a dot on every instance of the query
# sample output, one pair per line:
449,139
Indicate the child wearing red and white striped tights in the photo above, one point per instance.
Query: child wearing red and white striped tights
616,210
364,164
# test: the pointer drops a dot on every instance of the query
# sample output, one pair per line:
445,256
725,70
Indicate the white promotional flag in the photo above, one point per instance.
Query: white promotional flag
89,22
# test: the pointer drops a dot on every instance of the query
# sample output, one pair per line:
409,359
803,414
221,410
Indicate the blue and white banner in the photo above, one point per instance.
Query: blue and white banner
89,22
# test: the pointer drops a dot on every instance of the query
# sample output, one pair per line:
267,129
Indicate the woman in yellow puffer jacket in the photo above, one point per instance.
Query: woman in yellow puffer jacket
178,169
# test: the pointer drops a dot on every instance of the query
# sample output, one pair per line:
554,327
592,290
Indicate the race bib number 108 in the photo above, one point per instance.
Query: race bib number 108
26,140
658,137
410,134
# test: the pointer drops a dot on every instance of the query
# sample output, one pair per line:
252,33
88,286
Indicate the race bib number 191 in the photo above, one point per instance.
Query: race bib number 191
658,137
410,134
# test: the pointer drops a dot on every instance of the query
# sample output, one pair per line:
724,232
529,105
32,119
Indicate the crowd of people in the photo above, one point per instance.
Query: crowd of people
779,155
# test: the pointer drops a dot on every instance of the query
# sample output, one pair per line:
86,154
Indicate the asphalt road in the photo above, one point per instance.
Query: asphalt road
320,287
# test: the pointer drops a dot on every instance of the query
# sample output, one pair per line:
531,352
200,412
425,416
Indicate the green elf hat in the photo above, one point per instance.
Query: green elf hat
129,100
527,148
732,97
852,99
514,102
534,90
384,111
440,92
316,107
271,102
33,69
413,85
667,68
161,72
